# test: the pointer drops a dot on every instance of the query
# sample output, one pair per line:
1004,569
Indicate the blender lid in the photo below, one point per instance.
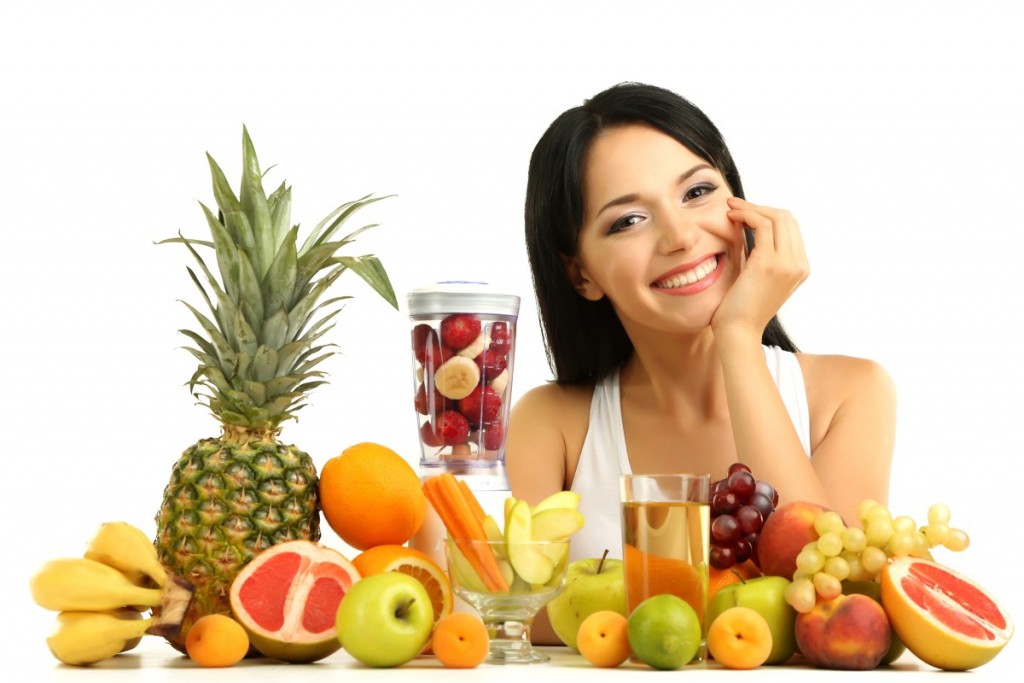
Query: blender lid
458,296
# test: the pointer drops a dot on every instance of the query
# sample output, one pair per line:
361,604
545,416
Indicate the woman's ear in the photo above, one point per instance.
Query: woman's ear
583,285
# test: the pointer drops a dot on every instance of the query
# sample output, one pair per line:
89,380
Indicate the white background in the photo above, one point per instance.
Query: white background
892,133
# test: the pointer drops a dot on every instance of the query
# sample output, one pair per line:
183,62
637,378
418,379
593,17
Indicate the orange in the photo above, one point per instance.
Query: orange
216,640
603,639
648,575
371,496
460,641
723,577
942,616
397,558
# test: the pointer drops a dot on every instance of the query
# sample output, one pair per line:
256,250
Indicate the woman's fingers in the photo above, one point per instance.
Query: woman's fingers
775,232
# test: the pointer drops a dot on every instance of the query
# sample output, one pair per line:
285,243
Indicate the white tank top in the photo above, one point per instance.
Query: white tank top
604,457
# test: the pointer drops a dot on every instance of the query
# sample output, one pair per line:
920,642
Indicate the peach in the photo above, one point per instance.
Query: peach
847,632
784,534
740,638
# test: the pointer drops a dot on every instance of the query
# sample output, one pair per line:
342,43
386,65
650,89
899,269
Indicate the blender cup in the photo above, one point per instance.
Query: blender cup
463,345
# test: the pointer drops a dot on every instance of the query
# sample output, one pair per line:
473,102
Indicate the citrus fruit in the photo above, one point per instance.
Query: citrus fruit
216,640
723,577
943,617
649,574
287,598
460,641
664,632
603,639
371,496
397,558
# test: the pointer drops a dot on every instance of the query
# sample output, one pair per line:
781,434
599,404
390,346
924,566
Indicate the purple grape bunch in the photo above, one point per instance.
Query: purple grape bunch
740,504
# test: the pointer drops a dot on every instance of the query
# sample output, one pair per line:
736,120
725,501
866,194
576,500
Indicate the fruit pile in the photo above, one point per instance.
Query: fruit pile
463,370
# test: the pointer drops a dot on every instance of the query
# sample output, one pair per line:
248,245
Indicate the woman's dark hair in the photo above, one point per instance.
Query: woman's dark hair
584,339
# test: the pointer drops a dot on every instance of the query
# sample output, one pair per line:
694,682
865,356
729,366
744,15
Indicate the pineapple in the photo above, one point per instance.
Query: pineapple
231,497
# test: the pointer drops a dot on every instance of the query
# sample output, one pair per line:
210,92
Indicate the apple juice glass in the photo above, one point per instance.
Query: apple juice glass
666,521
531,574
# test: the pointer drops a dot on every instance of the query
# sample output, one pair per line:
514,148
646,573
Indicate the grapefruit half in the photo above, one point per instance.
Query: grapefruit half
943,617
287,599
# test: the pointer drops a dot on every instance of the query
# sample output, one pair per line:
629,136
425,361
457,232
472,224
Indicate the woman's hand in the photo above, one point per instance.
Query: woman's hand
768,276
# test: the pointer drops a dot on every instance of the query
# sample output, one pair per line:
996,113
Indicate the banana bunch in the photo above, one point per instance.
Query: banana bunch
101,596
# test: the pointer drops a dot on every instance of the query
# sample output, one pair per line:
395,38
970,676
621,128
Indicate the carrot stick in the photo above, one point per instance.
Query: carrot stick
474,504
456,511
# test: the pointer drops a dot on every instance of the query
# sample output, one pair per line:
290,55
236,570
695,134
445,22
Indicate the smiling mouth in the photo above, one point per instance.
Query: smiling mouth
690,276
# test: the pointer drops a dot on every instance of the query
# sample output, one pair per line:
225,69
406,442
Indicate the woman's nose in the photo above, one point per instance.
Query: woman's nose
679,232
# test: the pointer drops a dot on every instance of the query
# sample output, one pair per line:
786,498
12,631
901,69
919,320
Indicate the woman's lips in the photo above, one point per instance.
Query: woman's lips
690,279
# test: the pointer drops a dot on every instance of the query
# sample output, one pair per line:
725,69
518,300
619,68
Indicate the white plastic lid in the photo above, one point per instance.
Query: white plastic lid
458,296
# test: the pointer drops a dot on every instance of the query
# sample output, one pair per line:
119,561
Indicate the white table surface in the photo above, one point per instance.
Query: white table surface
154,660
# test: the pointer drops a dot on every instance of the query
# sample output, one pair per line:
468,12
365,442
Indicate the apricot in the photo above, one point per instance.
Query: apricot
740,638
460,641
216,640
603,639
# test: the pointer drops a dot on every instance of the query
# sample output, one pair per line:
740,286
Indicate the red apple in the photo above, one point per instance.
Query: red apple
784,534
847,632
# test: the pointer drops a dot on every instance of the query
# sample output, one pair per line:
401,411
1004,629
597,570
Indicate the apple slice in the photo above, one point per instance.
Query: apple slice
555,524
494,534
526,558
462,569
561,499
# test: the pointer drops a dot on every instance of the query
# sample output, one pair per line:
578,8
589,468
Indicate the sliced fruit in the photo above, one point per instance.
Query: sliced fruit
463,572
457,377
943,617
561,499
414,563
287,599
555,524
528,561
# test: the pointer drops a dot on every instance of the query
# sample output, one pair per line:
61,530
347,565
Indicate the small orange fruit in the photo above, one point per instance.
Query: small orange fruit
460,641
603,639
398,558
718,578
216,640
371,496
740,638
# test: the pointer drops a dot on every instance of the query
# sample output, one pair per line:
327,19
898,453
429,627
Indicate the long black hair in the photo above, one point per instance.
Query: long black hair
585,339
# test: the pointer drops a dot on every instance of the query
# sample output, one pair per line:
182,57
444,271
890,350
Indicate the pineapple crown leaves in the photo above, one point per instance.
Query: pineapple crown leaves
258,355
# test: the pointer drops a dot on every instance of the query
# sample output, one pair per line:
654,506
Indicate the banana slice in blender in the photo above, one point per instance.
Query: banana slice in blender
457,377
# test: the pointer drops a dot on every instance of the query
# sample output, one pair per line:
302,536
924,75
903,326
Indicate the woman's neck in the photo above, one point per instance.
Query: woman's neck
677,374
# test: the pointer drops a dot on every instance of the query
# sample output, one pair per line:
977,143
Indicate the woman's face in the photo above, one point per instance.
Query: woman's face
655,237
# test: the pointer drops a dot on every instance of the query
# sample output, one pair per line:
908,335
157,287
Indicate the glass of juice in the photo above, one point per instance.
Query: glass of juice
666,522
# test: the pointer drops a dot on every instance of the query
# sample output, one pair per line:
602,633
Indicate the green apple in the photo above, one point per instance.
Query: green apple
766,596
873,590
591,585
385,620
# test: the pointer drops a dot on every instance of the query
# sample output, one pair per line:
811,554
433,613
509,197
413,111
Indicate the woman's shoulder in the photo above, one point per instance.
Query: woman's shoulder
837,384
552,398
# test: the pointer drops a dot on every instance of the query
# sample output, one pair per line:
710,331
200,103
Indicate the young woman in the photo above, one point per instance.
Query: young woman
658,285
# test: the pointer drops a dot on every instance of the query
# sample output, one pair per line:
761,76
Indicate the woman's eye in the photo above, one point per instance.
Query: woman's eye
698,191
627,221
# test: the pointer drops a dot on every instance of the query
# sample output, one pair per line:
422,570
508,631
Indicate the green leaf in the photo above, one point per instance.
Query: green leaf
257,392
200,341
217,378
239,224
244,361
220,342
275,330
287,354
315,260
254,203
222,192
264,364
279,282
281,385
280,205
372,271
224,247
326,228
181,240
246,338
249,289
297,316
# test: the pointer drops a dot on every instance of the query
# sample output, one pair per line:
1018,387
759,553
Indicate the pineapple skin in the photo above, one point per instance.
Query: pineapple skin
228,499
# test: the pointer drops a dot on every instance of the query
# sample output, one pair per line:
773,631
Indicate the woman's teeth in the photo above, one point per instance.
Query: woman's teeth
690,276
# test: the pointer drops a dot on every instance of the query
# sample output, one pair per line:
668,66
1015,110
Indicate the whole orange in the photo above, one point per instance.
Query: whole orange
717,578
371,496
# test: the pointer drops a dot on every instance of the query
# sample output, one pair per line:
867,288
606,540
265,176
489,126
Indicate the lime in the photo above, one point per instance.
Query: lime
664,632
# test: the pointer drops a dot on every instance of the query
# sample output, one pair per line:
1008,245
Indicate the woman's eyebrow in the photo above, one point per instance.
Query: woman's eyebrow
632,197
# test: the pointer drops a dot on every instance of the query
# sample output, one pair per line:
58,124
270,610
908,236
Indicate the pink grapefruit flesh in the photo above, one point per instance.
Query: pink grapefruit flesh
944,618
287,599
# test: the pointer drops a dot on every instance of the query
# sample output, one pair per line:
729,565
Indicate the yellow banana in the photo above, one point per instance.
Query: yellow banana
83,585
90,637
125,548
